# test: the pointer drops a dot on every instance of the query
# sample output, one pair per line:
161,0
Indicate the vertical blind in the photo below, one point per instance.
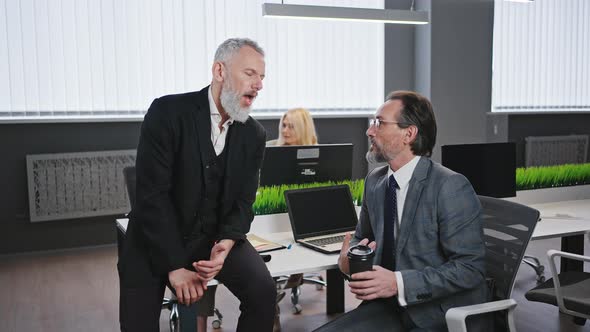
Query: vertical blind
110,58
541,57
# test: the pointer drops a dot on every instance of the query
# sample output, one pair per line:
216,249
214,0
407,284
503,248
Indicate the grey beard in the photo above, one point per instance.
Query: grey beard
374,157
230,102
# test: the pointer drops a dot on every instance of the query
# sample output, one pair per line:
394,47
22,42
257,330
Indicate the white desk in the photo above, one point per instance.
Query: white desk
300,259
559,219
569,220
568,210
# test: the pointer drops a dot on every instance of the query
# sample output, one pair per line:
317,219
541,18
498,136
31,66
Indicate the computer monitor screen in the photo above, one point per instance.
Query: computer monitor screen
490,167
294,164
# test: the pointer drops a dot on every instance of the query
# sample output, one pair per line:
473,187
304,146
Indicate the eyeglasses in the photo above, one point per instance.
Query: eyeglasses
378,122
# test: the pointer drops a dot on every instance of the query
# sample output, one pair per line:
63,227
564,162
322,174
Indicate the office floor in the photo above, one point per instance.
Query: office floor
77,290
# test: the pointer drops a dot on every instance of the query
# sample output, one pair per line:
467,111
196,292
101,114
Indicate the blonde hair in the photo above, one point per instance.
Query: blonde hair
302,125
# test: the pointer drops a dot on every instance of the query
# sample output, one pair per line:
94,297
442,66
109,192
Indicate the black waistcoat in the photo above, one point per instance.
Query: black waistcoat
205,227
213,176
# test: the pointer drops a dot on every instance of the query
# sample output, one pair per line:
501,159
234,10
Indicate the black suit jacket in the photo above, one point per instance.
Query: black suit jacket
164,232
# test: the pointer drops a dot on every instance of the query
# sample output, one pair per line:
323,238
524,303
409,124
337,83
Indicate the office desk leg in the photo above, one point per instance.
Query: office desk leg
188,317
334,292
575,245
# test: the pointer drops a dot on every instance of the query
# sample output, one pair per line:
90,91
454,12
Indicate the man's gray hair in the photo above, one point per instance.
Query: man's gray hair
232,46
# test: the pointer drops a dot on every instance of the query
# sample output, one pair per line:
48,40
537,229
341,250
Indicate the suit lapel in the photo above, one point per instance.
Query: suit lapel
235,150
379,194
415,189
202,122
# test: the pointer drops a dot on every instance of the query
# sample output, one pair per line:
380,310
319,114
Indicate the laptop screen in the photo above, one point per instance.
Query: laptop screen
320,211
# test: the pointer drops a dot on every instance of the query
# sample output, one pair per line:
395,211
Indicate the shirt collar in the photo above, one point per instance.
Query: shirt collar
404,174
214,111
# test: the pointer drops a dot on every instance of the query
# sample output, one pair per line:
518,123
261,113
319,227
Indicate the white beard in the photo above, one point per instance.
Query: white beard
374,157
230,101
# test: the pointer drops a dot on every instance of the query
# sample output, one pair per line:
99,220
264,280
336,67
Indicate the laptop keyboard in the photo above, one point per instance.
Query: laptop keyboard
327,240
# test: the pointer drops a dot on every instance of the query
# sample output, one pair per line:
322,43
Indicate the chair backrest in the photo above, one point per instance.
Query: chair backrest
129,175
508,228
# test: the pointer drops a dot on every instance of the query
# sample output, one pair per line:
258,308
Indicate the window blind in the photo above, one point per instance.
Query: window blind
541,56
111,58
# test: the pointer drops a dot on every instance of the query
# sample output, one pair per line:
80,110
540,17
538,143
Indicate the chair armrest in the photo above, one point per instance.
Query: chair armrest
456,317
551,254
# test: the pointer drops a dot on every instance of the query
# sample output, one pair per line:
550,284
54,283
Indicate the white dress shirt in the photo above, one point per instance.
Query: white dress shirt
402,177
217,135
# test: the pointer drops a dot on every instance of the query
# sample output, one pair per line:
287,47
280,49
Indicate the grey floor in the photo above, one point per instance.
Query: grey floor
77,290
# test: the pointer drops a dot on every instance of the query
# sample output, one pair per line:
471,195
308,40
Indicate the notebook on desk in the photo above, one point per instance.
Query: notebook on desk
320,217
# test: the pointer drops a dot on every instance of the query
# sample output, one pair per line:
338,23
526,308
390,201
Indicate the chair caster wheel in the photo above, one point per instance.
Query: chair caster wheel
216,324
174,325
579,321
319,287
540,279
297,309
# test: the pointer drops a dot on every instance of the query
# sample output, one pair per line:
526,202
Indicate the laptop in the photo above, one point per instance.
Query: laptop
320,217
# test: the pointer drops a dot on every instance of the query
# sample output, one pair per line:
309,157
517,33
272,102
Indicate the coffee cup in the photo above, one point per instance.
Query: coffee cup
360,258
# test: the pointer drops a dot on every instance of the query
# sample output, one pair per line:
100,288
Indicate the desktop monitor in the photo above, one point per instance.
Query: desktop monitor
294,164
490,167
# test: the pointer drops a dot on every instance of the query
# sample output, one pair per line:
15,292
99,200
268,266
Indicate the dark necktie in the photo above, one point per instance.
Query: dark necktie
390,217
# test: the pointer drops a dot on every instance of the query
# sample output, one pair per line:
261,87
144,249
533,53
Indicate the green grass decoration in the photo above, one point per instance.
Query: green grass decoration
552,176
271,199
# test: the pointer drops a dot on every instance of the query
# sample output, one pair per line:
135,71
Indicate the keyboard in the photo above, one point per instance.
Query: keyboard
327,240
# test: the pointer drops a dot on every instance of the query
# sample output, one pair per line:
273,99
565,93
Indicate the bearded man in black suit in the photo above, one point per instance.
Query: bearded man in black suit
197,167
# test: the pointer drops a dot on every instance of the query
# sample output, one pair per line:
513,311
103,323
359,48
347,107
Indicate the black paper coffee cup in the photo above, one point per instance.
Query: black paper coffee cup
360,259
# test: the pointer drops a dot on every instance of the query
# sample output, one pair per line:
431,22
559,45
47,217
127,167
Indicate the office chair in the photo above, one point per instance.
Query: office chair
171,303
534,262
508,228
570,290
294,282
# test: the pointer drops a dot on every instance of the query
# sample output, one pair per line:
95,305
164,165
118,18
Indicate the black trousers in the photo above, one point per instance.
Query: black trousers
376,315
243,273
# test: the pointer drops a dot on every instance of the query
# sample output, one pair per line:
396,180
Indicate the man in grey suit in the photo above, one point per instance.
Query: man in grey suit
423,222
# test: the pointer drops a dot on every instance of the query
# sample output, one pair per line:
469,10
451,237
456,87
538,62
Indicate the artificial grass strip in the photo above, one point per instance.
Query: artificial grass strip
270,200
552,176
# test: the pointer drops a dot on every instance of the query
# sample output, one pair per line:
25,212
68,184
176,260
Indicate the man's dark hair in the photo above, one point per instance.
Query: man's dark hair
417,111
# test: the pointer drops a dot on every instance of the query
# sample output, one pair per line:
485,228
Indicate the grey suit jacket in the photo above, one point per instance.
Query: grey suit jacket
439,248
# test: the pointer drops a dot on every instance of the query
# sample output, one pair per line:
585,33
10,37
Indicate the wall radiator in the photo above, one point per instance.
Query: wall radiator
556,150
76,185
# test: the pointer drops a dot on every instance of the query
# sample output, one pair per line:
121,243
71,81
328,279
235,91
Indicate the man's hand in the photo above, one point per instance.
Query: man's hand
370,285
343,259
187,285
207,270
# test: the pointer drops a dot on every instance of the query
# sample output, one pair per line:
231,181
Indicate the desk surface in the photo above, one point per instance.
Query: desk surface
298,259
567,210
560,219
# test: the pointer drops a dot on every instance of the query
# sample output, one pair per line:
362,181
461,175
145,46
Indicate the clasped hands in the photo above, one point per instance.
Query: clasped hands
190,285
368,285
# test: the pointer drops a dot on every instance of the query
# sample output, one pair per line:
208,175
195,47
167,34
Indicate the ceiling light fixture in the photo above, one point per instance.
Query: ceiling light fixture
395,16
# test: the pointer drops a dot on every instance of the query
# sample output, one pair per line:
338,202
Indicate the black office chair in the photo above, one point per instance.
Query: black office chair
171,303
570,290
508,228
294,282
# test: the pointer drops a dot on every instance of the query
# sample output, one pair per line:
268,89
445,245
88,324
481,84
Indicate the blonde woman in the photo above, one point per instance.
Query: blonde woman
296,128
